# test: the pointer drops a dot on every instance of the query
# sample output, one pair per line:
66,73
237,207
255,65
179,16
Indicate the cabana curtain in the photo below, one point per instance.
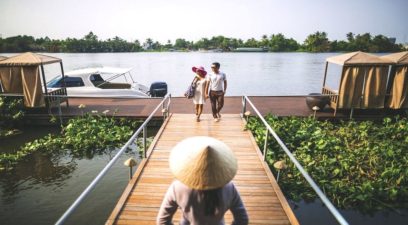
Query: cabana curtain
363,87
351,87
399,81
23,80
375,87
11,80
33,95
399,90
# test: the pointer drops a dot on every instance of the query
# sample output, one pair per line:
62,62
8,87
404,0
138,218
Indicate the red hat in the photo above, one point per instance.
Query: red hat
200,69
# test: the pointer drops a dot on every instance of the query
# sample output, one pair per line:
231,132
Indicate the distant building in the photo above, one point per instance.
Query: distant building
392,39
147,46
250,50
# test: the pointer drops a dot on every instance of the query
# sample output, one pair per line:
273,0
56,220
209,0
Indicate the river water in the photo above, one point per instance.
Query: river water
247,73
40,189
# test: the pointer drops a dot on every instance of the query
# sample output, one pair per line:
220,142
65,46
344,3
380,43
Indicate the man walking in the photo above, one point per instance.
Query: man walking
218,86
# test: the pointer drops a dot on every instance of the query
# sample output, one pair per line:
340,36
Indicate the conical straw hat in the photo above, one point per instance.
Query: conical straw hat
203,163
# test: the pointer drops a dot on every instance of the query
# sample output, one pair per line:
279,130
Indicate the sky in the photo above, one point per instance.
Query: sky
164,20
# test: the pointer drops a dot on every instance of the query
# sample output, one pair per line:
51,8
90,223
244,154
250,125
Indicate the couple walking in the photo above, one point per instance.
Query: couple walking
214,87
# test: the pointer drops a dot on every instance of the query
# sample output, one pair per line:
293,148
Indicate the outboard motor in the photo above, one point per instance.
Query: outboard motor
158,89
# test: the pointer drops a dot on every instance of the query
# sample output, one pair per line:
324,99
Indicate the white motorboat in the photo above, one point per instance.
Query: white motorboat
96,82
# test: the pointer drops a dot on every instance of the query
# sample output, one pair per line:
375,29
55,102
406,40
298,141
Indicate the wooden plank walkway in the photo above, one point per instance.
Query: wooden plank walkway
260,193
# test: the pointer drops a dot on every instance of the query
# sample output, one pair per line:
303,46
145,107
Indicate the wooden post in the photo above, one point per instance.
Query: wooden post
339,91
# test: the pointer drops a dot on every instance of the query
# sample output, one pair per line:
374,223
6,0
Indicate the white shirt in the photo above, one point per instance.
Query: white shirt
217,81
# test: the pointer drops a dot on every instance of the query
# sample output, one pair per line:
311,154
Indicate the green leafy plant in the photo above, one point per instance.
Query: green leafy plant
11,112
83,136
362,165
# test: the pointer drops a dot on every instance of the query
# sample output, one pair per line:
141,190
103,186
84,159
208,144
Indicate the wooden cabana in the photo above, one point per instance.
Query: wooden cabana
1,86
398,82
362,83
21,75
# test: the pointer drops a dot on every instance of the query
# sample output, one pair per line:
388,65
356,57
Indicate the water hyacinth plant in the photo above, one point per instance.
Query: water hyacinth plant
10,114
359,165
83,136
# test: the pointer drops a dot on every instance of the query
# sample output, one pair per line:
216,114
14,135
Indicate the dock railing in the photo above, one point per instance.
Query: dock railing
313,184
165,106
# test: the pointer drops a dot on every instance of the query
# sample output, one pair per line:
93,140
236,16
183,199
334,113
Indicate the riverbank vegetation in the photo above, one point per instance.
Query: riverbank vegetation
358,165
83,136
316,42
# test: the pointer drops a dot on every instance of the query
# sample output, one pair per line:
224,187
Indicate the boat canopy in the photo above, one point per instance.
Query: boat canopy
99,70
398,81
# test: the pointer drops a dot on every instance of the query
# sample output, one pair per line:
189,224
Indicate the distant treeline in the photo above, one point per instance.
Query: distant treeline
317,42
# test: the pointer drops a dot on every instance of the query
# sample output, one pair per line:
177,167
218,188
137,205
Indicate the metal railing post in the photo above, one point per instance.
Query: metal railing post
168,105
59,110
266,144
164,110
144,141
243,106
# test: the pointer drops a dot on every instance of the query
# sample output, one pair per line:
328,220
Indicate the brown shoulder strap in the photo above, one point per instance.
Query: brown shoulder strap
194,80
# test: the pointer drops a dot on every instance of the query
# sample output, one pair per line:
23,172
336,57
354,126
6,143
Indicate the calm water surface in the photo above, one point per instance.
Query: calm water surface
247,73
39,190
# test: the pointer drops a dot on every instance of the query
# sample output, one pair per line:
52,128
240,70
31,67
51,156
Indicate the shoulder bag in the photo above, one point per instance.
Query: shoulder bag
191,89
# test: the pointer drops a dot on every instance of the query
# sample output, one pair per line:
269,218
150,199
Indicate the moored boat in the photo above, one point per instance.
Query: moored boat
97,82
250,50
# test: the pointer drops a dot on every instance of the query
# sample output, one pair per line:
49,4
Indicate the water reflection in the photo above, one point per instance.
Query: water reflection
38,170
43,186
46,170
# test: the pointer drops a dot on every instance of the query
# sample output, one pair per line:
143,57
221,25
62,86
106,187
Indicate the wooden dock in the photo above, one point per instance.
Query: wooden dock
141,108
262,197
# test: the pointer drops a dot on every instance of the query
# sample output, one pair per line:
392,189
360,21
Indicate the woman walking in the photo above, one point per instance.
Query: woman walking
199,94
203,191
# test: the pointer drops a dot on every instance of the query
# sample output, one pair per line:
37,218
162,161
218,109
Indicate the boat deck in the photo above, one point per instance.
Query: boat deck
260,193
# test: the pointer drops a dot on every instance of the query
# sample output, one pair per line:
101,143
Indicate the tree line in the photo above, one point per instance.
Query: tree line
316,42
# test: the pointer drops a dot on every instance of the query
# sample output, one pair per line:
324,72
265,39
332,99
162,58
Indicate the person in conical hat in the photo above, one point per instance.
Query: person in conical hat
204,168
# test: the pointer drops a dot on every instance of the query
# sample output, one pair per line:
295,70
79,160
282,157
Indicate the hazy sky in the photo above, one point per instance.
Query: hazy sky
165,20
